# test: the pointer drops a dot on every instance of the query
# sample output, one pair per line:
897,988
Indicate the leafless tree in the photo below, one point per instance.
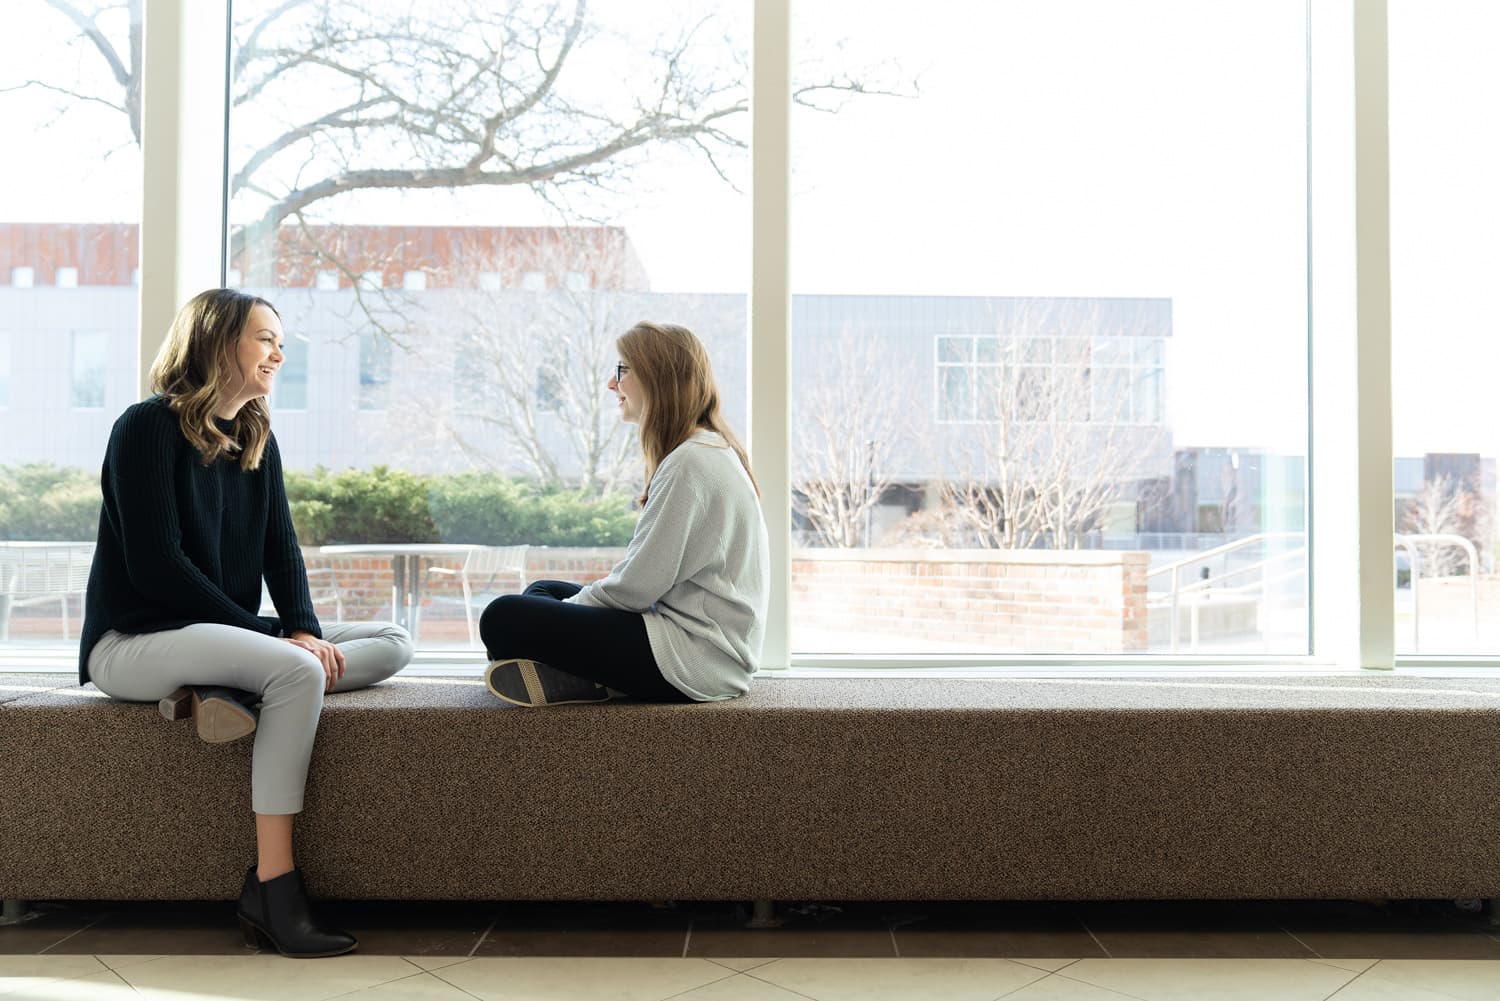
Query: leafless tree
849,424
335,96
1444,506
516,381
1051,443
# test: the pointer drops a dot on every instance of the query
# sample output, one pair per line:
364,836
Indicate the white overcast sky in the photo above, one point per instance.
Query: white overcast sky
1059,147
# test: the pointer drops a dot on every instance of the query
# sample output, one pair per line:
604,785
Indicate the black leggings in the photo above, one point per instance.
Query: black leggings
606,646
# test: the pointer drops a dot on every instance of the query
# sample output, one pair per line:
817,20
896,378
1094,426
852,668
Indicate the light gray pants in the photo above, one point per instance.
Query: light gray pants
145,667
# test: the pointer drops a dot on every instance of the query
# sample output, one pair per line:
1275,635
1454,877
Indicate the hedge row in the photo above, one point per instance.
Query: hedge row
42,501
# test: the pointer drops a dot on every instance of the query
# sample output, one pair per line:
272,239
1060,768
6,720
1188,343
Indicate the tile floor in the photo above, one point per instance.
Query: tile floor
1150,951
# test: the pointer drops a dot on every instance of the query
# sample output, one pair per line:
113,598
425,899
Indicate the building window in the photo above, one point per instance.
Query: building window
372,280
23,277
291,381
89,355
328,280
67,278
489,281
958,372
576,281
234,278
534,281
414,281
374,371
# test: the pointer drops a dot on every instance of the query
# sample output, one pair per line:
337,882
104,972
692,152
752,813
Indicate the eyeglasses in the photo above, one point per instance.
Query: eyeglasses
620,371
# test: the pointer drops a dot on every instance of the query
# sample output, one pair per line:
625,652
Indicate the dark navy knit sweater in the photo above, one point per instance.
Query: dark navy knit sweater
182,543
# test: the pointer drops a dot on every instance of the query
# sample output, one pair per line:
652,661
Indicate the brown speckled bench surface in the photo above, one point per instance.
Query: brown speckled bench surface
808,788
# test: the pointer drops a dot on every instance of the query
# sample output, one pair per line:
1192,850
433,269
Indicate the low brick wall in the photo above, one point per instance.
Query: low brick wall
988,600
857,601
364,582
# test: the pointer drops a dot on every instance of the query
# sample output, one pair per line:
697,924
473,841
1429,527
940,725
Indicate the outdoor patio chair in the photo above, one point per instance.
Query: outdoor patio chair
37,573
484,567
322,586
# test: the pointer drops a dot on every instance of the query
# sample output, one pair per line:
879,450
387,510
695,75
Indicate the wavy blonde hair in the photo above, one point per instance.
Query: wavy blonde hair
672,369
196,368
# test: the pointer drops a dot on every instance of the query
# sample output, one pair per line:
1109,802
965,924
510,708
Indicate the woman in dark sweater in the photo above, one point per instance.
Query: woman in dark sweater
195,517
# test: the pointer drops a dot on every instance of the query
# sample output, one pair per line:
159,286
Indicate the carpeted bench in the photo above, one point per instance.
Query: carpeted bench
830,788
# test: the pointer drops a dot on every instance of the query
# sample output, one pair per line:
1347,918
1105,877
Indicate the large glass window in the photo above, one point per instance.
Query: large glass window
457,208
1445,155
88,359
291,380
70,192
1049,329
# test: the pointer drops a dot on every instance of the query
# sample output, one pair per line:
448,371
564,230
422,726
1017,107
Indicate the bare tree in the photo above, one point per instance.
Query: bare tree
849,424
516,381
340,97
1442,507
1052,443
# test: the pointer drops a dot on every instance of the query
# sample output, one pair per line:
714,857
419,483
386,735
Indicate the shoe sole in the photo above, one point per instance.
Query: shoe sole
257,937
220,719
534,695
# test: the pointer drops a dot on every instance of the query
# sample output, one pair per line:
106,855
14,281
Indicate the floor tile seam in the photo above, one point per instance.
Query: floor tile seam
133,989
1345,985
1098,987
790,990
1085,926
366,987
728,975
396,980
438,974
475,947
115,973
1045,975
73,933
1424,986
1293,936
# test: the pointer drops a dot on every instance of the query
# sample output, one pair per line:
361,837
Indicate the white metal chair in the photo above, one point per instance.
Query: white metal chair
35,573
486,565
322,586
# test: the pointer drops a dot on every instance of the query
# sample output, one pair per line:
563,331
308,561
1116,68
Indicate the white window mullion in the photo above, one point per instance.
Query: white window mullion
1351,505
770,305
182,145
1372,210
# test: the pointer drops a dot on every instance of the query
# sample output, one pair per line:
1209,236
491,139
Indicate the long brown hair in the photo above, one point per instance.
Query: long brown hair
681,397
196,367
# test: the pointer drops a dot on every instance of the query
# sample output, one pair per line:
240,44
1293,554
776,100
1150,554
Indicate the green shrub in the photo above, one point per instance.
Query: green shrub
570,520
313,520
40,502
382,505
494,511
373,505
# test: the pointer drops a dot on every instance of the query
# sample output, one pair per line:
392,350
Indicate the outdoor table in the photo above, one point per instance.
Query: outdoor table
407,559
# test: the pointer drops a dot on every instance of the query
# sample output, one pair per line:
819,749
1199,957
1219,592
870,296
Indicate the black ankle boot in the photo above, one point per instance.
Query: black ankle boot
276,913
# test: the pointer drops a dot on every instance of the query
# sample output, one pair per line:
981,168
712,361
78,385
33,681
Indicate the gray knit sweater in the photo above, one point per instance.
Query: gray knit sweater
698,569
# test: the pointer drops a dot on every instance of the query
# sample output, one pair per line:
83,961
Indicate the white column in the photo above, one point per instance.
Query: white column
182,141
1352,568
770,304
1372,209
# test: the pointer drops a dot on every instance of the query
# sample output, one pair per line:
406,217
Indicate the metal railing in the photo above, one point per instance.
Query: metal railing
1177,591
1411,544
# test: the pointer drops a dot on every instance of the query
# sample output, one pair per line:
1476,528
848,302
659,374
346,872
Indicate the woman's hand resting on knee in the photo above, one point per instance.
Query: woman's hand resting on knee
330,656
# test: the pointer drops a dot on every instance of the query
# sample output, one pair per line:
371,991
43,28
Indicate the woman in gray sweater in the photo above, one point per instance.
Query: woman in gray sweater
682,617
